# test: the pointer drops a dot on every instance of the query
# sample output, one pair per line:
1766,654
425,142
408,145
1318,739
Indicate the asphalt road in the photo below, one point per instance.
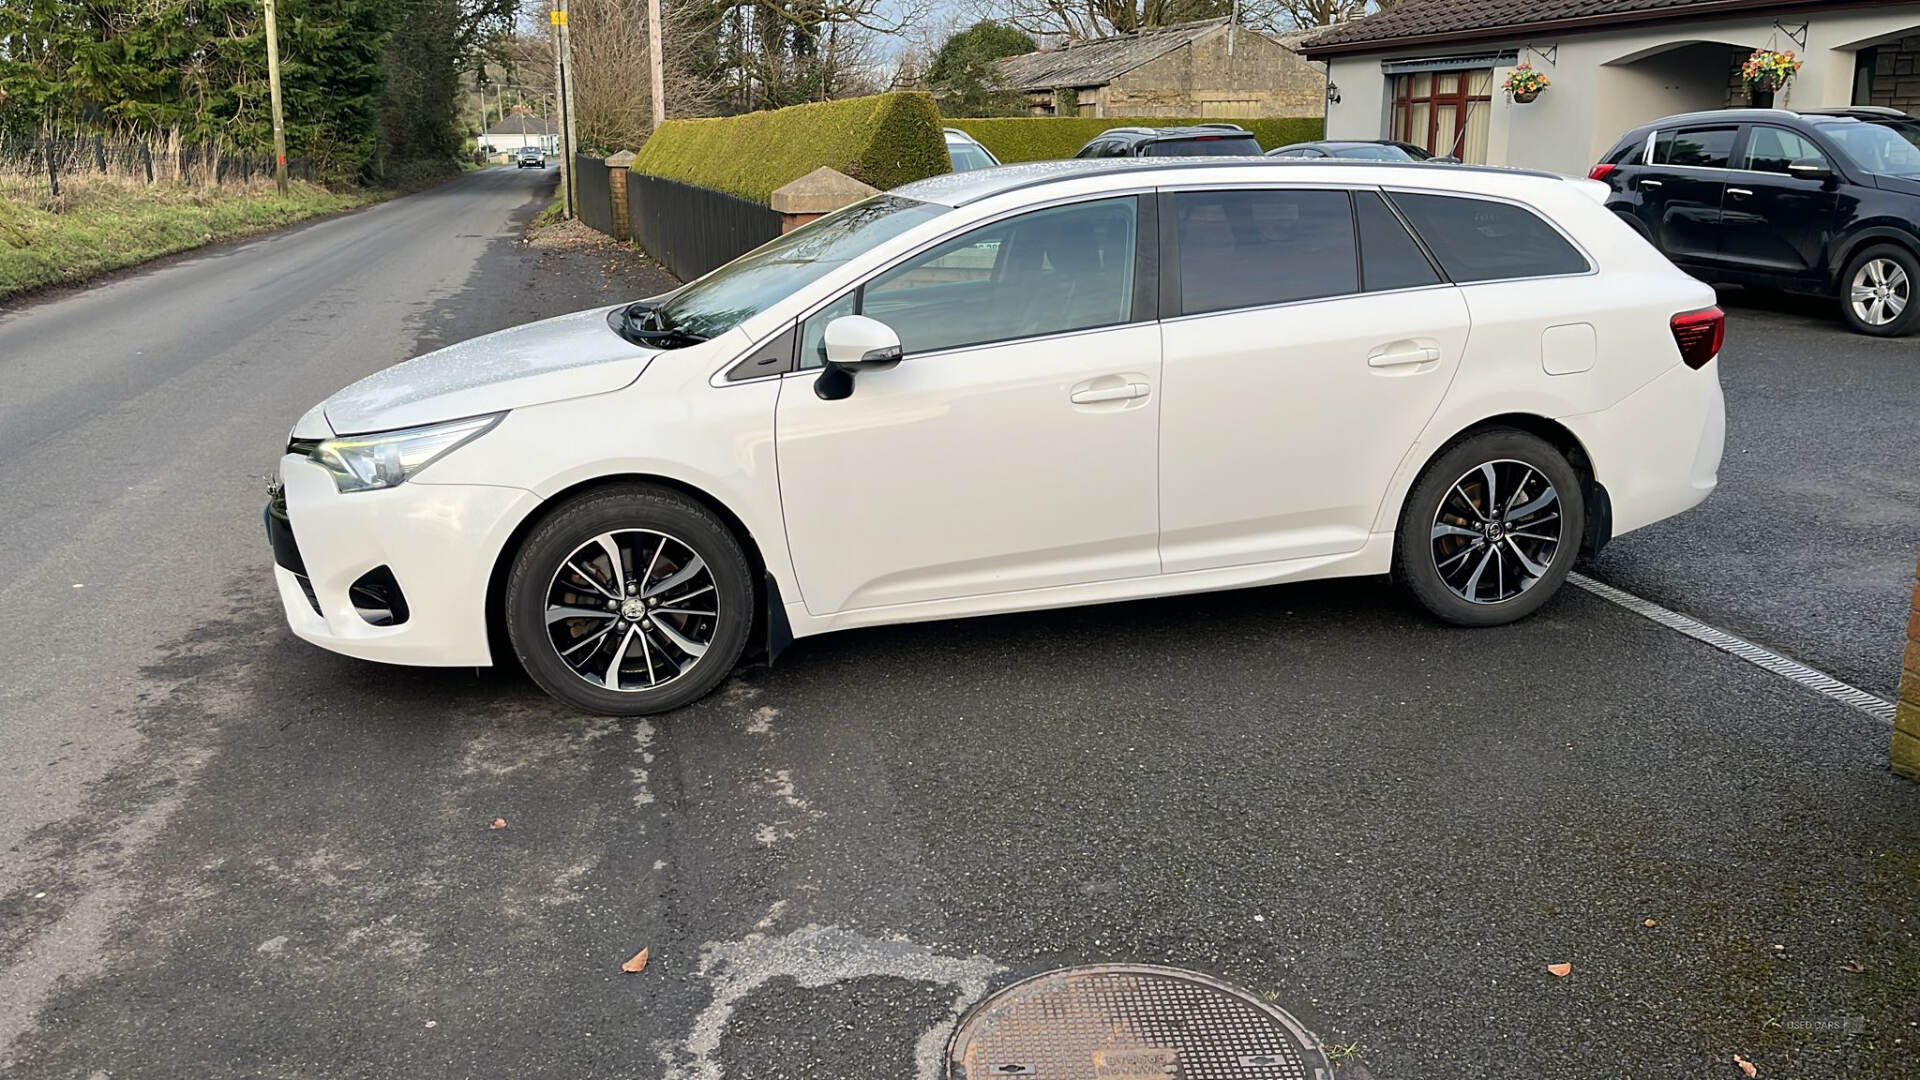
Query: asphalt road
226,854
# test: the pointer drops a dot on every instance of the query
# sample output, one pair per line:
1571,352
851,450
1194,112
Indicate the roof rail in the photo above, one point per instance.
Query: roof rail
1230,127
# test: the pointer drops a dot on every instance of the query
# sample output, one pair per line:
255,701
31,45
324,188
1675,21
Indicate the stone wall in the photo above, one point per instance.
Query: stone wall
1896,75
1261,78
1906,723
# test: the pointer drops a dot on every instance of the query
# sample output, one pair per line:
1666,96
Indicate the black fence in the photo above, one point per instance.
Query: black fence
693,229
594,192
56,161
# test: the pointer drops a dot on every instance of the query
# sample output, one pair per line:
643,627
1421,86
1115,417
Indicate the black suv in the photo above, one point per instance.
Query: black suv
1201,140
1818,201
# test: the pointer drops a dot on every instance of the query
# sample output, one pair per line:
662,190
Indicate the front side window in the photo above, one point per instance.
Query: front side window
1250,248
1484,240
1047,272
776,269
1772,149
1696,148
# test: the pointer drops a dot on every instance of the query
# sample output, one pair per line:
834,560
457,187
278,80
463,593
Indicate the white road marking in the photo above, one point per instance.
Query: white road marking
817,956
1818,681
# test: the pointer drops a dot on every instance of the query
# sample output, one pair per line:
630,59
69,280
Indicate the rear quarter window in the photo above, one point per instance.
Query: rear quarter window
1485,240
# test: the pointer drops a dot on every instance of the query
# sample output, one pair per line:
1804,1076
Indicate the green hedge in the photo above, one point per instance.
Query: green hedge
1047,138
885,140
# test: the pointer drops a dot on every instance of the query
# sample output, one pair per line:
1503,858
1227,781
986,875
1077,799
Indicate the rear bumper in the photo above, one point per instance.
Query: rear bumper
438,543
1657,452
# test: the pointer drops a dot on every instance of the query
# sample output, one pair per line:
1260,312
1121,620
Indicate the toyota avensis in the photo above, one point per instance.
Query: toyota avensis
1018,388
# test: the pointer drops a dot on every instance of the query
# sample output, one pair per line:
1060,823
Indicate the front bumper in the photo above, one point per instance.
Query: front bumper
437,544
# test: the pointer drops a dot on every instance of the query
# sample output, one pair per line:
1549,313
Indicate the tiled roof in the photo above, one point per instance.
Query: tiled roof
1411,20
1096,63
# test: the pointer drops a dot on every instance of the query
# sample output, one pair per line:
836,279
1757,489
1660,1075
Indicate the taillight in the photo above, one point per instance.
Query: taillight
1601,171
1699,335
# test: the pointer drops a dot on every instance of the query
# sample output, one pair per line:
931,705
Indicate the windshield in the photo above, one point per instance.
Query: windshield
967,157
1206,146
1886,147
773,271
1373,153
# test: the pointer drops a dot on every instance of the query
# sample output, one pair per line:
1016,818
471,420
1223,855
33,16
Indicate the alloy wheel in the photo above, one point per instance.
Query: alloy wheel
1881,290
1496,531
632,610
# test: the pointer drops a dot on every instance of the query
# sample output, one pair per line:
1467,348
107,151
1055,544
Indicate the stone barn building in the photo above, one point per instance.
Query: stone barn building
1190,69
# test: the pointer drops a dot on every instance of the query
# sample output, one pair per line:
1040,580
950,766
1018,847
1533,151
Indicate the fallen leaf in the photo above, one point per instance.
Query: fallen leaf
1745,1065
1560,971
1650,923
638,963
498,823
1855,966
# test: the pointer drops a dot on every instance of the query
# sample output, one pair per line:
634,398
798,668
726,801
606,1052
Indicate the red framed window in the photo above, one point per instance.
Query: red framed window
1444,111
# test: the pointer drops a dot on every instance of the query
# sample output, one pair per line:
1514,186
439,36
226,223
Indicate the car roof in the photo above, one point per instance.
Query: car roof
1754,116
956,135
1151,134
960,189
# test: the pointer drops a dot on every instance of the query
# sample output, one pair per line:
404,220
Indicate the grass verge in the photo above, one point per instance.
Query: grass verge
95,227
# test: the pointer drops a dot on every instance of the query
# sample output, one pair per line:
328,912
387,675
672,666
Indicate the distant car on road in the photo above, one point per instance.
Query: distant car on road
1027,387
1817,201
1359,150
1201,140
966,153
529,157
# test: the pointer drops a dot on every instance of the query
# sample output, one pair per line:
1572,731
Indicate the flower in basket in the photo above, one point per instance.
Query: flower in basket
1524,83
1769,70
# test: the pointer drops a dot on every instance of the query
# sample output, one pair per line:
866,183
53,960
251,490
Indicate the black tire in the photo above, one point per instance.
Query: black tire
635,514
1908,290
1430,567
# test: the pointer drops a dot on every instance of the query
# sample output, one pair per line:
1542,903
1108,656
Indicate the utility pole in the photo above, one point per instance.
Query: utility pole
279,122
563,83
659,71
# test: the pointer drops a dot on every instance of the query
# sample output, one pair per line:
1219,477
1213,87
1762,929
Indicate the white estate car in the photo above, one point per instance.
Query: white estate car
1025,387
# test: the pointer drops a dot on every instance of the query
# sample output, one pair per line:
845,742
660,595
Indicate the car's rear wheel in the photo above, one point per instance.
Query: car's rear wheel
1877,291
629,601
1491,528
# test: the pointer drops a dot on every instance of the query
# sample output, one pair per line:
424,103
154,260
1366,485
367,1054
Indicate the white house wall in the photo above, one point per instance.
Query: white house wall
1607,82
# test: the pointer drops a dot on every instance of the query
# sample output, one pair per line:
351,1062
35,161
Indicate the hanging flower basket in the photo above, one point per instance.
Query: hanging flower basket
1523,84
1766,71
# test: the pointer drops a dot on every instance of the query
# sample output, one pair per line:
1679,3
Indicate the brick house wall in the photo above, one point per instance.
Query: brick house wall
1896,76
1906,722
1261,78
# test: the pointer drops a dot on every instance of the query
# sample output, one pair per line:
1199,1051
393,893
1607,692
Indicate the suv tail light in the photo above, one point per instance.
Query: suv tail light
1601,171
1699,335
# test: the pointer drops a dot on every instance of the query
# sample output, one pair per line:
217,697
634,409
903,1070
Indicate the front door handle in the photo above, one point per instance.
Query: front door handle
1420,354
1738,191
1098,394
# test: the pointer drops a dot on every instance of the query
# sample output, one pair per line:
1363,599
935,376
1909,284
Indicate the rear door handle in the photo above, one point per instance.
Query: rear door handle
1425,354
1651,183
1122,392
1738,191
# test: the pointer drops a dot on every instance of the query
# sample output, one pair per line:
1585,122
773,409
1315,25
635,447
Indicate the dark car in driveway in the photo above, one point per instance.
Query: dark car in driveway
1200,140
1824,202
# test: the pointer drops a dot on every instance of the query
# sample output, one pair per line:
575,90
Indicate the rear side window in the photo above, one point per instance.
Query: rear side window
1772,149
1699,148
1250,248
1389,258
1206,146
1483,240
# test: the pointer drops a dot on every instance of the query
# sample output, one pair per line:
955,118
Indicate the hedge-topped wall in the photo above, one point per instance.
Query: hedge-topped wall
885,140
1046,138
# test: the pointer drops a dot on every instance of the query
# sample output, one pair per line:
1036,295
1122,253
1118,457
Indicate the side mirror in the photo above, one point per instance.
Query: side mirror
1810,169
854,344
1443,159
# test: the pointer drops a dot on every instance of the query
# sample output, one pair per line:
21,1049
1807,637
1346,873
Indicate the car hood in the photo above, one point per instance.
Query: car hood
1909,185
567,357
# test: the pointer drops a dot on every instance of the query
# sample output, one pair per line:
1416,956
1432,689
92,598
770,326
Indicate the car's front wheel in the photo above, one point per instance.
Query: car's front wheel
629,601
1491,528
1877,291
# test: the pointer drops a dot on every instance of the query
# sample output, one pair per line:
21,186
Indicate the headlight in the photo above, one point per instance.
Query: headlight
390,458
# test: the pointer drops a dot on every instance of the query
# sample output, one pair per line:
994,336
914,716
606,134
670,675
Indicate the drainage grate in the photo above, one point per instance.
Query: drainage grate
1817,681
1131,1022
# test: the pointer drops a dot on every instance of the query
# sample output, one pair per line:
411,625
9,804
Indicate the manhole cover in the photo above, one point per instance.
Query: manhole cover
1131,1022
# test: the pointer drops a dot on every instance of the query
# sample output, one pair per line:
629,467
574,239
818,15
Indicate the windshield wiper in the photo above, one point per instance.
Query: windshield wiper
645,324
